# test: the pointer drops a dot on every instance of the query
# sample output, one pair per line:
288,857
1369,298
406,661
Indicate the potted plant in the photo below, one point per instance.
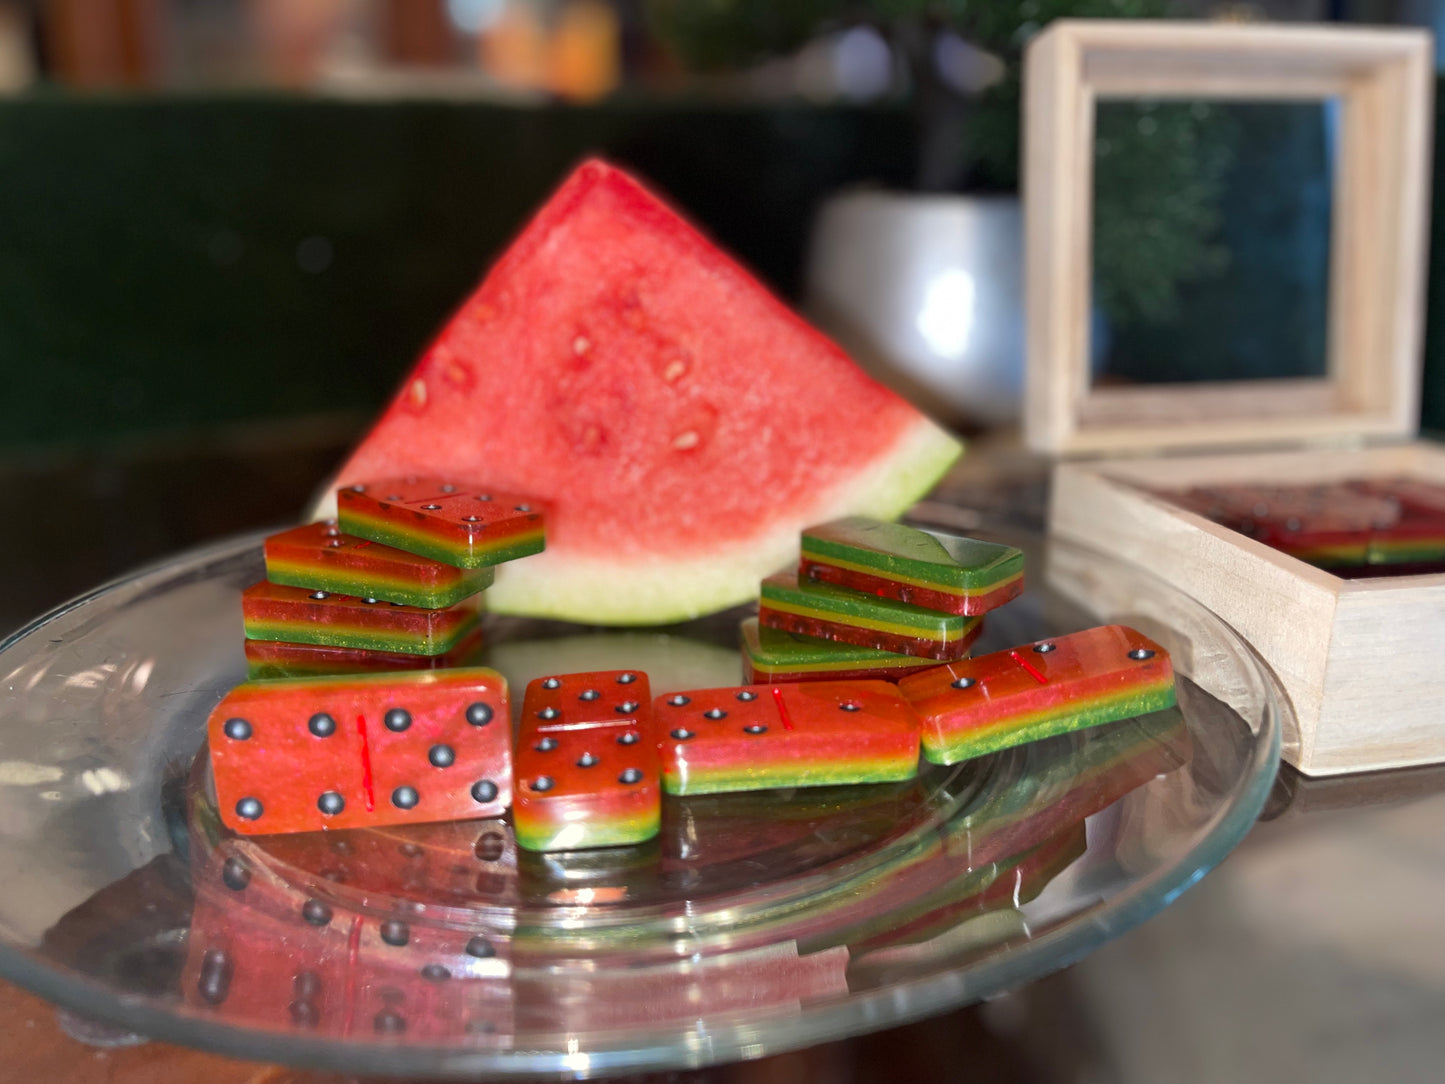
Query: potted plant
925,286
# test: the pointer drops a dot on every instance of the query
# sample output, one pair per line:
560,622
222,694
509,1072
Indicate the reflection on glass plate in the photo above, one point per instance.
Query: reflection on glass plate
754,923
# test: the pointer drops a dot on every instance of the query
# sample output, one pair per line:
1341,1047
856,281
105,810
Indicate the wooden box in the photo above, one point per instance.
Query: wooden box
1356,657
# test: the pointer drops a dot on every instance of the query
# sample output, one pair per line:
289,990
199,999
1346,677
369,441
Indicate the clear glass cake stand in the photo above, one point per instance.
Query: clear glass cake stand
754,924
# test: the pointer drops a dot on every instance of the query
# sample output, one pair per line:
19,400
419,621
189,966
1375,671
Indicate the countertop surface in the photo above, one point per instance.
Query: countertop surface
1315,953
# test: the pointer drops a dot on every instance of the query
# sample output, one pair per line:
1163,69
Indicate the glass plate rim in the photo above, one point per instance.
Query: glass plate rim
736,1039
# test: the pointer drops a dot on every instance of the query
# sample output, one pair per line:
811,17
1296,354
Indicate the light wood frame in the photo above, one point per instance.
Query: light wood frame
1384,83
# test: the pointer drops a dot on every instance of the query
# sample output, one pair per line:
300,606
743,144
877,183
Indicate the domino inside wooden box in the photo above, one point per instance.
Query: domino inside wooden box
1168,475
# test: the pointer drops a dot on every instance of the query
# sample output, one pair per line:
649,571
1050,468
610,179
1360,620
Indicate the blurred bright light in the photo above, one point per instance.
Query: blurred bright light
862,64
964,66
474,16
946,318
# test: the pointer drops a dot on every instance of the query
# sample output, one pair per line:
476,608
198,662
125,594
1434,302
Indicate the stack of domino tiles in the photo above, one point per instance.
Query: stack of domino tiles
395,583
872,599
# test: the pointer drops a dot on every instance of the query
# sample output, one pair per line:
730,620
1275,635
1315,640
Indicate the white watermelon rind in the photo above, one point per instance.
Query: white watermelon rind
599,591
596,590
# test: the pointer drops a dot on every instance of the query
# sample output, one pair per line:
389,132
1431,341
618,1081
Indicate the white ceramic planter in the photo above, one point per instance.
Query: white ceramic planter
926,292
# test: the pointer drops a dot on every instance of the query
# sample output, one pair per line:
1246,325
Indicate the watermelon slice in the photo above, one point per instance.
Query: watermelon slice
683,425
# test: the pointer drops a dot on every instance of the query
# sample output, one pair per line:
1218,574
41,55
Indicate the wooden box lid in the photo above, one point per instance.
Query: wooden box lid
1383,81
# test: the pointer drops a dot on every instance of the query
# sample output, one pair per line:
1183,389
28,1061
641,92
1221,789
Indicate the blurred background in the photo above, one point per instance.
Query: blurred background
227,227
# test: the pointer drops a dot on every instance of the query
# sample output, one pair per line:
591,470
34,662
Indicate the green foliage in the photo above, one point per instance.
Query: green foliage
1159,173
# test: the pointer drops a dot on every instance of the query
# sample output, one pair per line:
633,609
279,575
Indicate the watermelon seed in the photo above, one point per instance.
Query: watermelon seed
964,683
319,595
442,756
331,803
630,738
306,985
1044,649
235,874
472,519
1139,654
358,489
548,713
249,809
546,745
682,733
627,707
543,783
481,948
746,695
679,700
435,973
851,705
316,913
522,508
552,683
588,694
484,792
389,1023
756,728
586,760
626,679
397,720
449,488
479,714
430,507
335,543
393,496
395,932
405,797
630,776
371,601
214,982
237,729
715,713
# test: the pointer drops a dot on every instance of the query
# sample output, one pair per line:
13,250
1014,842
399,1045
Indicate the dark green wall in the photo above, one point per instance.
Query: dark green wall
149,274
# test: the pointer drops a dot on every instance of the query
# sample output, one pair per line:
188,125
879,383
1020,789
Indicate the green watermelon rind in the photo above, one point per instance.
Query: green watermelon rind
662,591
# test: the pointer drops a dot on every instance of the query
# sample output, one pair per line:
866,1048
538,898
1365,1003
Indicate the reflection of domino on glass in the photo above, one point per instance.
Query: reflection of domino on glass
302,754
586,763
851,617
322,557
461,524
278,659
804,734
937,571
295,615
774,655
976,706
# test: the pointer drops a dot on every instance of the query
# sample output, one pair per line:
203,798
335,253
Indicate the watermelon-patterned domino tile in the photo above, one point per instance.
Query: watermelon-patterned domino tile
937,571
303,754
458,523
792,735
976,706
772,655
586,763
322,557
278,659
295,615
837,613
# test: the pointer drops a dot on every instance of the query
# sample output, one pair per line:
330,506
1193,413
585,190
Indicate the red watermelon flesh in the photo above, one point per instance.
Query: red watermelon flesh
683,424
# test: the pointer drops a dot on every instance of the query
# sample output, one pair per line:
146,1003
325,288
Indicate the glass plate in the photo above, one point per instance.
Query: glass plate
755,923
